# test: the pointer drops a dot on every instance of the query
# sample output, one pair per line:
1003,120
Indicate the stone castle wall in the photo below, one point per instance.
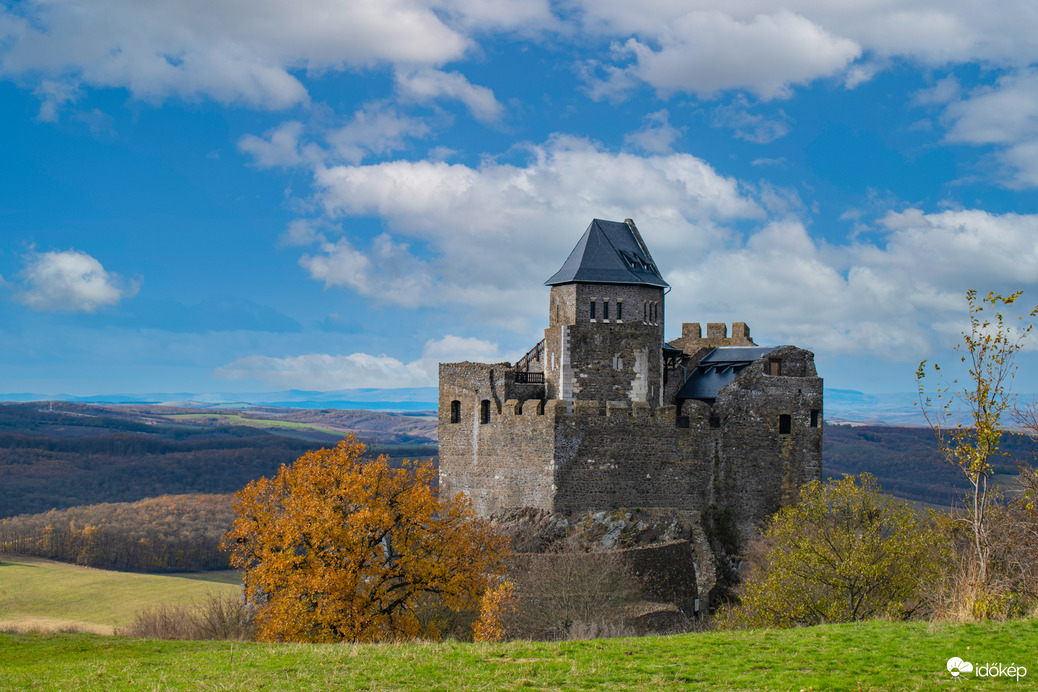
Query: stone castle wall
571,457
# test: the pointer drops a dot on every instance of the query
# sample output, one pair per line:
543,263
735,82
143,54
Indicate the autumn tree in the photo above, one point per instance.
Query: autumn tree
988,351
339,547
843,552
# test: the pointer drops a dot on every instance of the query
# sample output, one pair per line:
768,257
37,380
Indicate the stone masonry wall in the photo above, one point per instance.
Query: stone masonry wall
571,457
759,467
604,359
496,465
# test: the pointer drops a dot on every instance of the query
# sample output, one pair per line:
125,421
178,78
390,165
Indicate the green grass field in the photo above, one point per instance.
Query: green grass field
266,424
864,656
41,594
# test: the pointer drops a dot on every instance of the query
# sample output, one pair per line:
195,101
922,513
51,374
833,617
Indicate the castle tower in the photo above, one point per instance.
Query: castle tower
605,326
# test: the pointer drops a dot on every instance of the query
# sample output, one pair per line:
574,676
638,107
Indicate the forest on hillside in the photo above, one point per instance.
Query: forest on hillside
83,455
171,533
906,461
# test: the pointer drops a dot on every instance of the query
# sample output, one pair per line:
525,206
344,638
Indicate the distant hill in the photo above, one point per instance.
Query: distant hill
841,405
64,454
58,454
906,461
405,399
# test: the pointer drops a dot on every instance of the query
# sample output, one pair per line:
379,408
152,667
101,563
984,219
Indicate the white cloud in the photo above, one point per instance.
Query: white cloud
388,274
706,52
278,147
657,136
861,298
70,281
490,235
424,85
375,129
719,45
220,49
324,372
749,126
1004,115
53,94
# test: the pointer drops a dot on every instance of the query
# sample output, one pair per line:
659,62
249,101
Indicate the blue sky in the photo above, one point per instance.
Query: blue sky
246,196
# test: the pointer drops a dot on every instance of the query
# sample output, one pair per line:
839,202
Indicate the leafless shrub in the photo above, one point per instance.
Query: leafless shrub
218,617
599,630
567,591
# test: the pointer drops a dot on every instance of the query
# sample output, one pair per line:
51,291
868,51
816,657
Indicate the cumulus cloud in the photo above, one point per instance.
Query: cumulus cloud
230,52
708,51
861,298
657,136
486,231
720,45
69,281
388,273
53,95
752,127
324,372
424,85
279,147
1004,115
375,129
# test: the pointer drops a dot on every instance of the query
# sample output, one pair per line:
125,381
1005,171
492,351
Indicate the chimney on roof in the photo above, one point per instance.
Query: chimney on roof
641,243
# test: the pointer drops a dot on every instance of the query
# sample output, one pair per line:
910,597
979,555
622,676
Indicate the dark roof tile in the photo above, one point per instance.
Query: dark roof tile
610,252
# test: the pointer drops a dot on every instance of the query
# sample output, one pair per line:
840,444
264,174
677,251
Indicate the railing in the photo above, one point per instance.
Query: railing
534,354
522,377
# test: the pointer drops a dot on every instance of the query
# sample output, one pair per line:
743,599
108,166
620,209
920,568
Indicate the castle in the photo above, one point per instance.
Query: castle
603,414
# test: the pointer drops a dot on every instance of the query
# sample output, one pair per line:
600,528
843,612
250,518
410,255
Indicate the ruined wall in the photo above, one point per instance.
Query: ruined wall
760,467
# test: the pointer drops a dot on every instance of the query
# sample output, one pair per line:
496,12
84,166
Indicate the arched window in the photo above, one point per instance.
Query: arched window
455,411
484,412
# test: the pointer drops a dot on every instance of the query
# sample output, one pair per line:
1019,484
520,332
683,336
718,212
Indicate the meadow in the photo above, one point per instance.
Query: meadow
41,594
872,655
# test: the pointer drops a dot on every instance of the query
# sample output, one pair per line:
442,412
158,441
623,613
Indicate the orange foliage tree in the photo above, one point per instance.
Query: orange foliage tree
339,547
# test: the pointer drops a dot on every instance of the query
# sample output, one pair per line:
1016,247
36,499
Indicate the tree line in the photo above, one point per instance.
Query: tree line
171,533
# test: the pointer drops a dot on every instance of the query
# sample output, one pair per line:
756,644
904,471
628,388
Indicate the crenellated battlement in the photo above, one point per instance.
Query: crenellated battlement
692,338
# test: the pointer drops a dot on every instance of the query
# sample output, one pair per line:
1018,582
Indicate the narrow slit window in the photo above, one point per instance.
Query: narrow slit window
605,310
455,411
484,412
785,424
816,418
619,311
645,312
592,309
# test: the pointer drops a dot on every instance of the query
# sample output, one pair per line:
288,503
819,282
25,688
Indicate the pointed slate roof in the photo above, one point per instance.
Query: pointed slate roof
610,252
